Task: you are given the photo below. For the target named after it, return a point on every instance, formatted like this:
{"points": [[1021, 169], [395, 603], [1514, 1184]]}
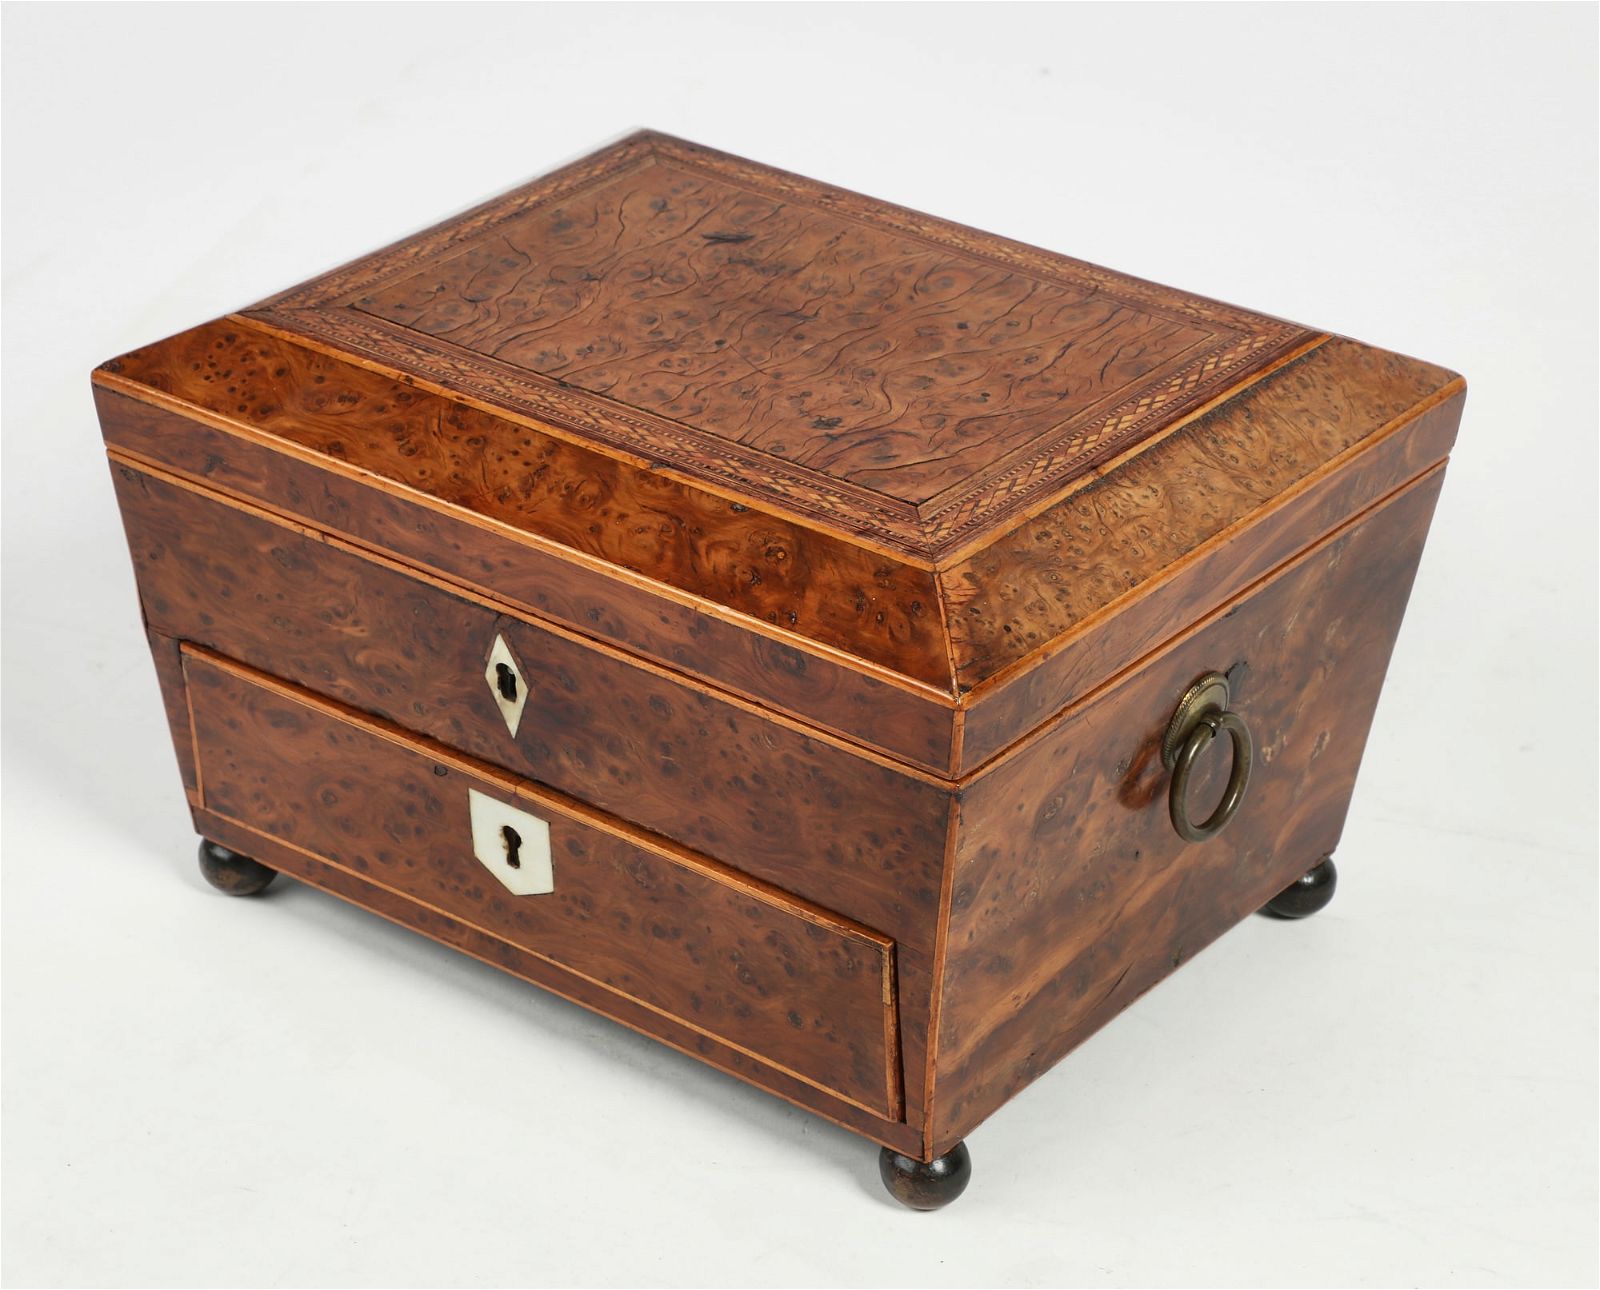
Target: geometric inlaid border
{"points": [[1238, 343]]}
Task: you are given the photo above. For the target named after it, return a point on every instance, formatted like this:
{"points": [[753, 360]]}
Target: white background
{"points": [[1400, 1091]]}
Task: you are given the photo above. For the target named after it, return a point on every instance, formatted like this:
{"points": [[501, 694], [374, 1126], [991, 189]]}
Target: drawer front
{"points": [[762, 973], [725, 780]]}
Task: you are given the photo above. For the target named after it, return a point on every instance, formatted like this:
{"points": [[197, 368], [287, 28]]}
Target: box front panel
{"points": [[811, 816]]}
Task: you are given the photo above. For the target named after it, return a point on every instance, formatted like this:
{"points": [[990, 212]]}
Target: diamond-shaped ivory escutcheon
{"points": [[512, 845], [506, 683]]}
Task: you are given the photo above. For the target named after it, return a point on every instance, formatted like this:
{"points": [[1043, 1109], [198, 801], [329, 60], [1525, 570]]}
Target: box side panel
{"points": [[167, 652], [164, 653], [1073, 892]]}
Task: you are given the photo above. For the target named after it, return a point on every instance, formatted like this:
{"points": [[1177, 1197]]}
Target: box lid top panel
{"points": [[859, 428], [908, 381]]}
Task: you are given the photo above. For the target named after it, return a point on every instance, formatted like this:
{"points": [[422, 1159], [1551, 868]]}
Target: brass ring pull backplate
{"points": [[1202, 715]]}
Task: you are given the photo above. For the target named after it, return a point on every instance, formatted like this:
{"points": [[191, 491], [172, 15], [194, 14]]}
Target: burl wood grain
{"points": [[1032, 586], [853, 362], [782, 671], [853, 833], [498, 953], [1036, 619], [808, 584], [167, 653], [1045, 613], [530, 399], [827, 343], [1072, 893], [747, 966]]}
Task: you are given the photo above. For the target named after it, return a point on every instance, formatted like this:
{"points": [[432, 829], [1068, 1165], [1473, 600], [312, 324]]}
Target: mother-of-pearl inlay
{"points": [[512, 845]]}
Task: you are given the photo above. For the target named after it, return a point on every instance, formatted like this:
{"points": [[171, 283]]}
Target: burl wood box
{"points": [[860, 652]]}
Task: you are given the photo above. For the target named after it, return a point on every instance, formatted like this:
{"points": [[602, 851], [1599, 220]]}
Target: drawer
{"points": [[660, 931], [749, 789]]}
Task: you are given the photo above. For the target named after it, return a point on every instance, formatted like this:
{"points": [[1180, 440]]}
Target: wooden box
{"points": [[863, 653]]}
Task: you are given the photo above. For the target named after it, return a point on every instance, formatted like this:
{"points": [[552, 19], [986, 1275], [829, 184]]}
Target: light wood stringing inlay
{"points": [[845, 359]]}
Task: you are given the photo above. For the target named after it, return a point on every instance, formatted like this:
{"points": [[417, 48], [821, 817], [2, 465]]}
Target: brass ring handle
{"points": [[1203, 714], [1207, 728]]}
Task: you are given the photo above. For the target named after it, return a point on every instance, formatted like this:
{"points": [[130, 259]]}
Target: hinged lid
{"points": [[902, 465]]}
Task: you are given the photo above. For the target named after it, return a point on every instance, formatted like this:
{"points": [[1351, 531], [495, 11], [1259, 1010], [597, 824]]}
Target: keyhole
{"points": [[506, 679], [513, 842]]}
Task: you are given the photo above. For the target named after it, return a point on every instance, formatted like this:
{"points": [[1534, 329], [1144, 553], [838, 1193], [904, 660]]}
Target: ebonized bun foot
{"points": [[926, 1186], [231, 872], [1308, 893]]}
